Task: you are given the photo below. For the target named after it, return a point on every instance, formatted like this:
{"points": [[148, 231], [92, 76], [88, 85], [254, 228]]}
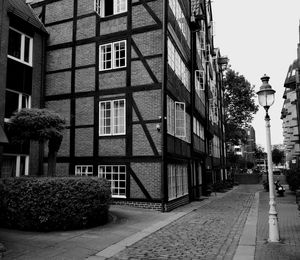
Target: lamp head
{"points": [[265, 94]]}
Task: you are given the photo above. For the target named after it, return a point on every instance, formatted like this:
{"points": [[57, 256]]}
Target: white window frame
{"points": [[199, 75], [119, 6], [178, 66], [177, 181], [84, 170], [170, 116], [18, 163], [177, 127], [22, 51], [20, 101], [119, 180], [113, 59], [113, 124], [98, 6]]}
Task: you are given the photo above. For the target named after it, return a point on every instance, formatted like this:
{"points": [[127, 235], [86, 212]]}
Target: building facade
{"points": [[290, 113], [22, 45], [140, 86]]}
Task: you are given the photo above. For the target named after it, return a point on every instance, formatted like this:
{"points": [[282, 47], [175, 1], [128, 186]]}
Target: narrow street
{"points": [[209, 232]]}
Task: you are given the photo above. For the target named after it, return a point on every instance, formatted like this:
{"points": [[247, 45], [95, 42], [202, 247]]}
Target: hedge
{"points": [[46, 204]]}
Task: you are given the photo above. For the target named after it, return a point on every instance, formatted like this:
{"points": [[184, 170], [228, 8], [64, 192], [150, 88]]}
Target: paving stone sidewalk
{"points": [[209, 232], [289, 229]]}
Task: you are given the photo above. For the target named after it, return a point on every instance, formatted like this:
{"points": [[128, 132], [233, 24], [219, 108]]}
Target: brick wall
{"points": [[61, 107], [85, 80], [149, 175], [85, 54], [60, 33], [112, 26], [58, 11], [141, 17], [140, 143], [112, 147], [84, 142], [148, 103], [138, 204], [58, 83], [85, 7], [84, 111], [55, 62], [62, 169], [149, 43], [86, 28], [110, 80]]}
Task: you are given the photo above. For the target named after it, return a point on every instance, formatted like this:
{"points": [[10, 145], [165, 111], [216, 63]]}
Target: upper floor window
{"points": [[20, 46], [176, 118], [178, 66], [112, 117], [112, 55], [15, 101], [181, 20], [180, 119], [199, 81], [110, 7]]}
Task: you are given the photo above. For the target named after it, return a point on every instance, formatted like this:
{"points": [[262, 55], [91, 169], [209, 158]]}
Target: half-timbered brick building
{"points": [[139, 83]]}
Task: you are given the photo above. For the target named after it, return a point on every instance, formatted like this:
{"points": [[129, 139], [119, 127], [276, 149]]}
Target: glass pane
{"points": [[11, 103], [14, 44], [26, 49]]}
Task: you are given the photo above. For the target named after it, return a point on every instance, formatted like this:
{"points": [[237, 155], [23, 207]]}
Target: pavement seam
{"points": [[121, 245], [246, 246]]}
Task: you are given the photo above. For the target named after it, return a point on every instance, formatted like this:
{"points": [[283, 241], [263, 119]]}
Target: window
{"points": [[181, 20], [176, 118], [110, 7], [177, 181], [112, 117], [20, 47], [199, 81], [84, 170], [15, 165], [116, 175], [171, 116], [113, 55], [178, 66], [15, 101], [198, 128], [180, 119]]}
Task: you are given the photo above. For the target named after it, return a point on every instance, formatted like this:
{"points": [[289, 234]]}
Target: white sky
{"points": [[259, 36]]}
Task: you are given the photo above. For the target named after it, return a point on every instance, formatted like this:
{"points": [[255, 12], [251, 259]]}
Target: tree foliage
{"points": [[239, 106], [38, 125], [277, 156], [259, 152]]}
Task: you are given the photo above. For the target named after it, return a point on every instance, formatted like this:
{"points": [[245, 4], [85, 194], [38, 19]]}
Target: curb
{"points": [[246, 246]]}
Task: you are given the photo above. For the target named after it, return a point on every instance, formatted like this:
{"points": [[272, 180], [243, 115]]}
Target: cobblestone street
{"points": [[210, 232]]}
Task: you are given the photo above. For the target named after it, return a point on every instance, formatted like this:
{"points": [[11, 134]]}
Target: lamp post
{"points": [[266, 99]]}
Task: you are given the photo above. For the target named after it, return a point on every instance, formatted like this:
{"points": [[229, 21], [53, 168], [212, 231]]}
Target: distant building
{"points": [[247, 150], [290, 113]]}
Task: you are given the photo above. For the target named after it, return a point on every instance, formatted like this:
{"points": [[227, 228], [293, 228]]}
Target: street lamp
{"points": [[266, 99]]}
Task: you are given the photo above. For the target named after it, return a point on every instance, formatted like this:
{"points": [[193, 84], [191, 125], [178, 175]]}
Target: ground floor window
{"points": [[84, 170], [116, 175], [177, 180], [15, 165]]}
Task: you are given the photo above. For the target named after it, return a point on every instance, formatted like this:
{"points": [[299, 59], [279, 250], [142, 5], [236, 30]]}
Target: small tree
{"points": [[38, 125], [277, 156]]}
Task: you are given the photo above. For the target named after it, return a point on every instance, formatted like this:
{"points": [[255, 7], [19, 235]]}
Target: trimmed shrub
{"points": [[46, 204], [293, 179]]}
